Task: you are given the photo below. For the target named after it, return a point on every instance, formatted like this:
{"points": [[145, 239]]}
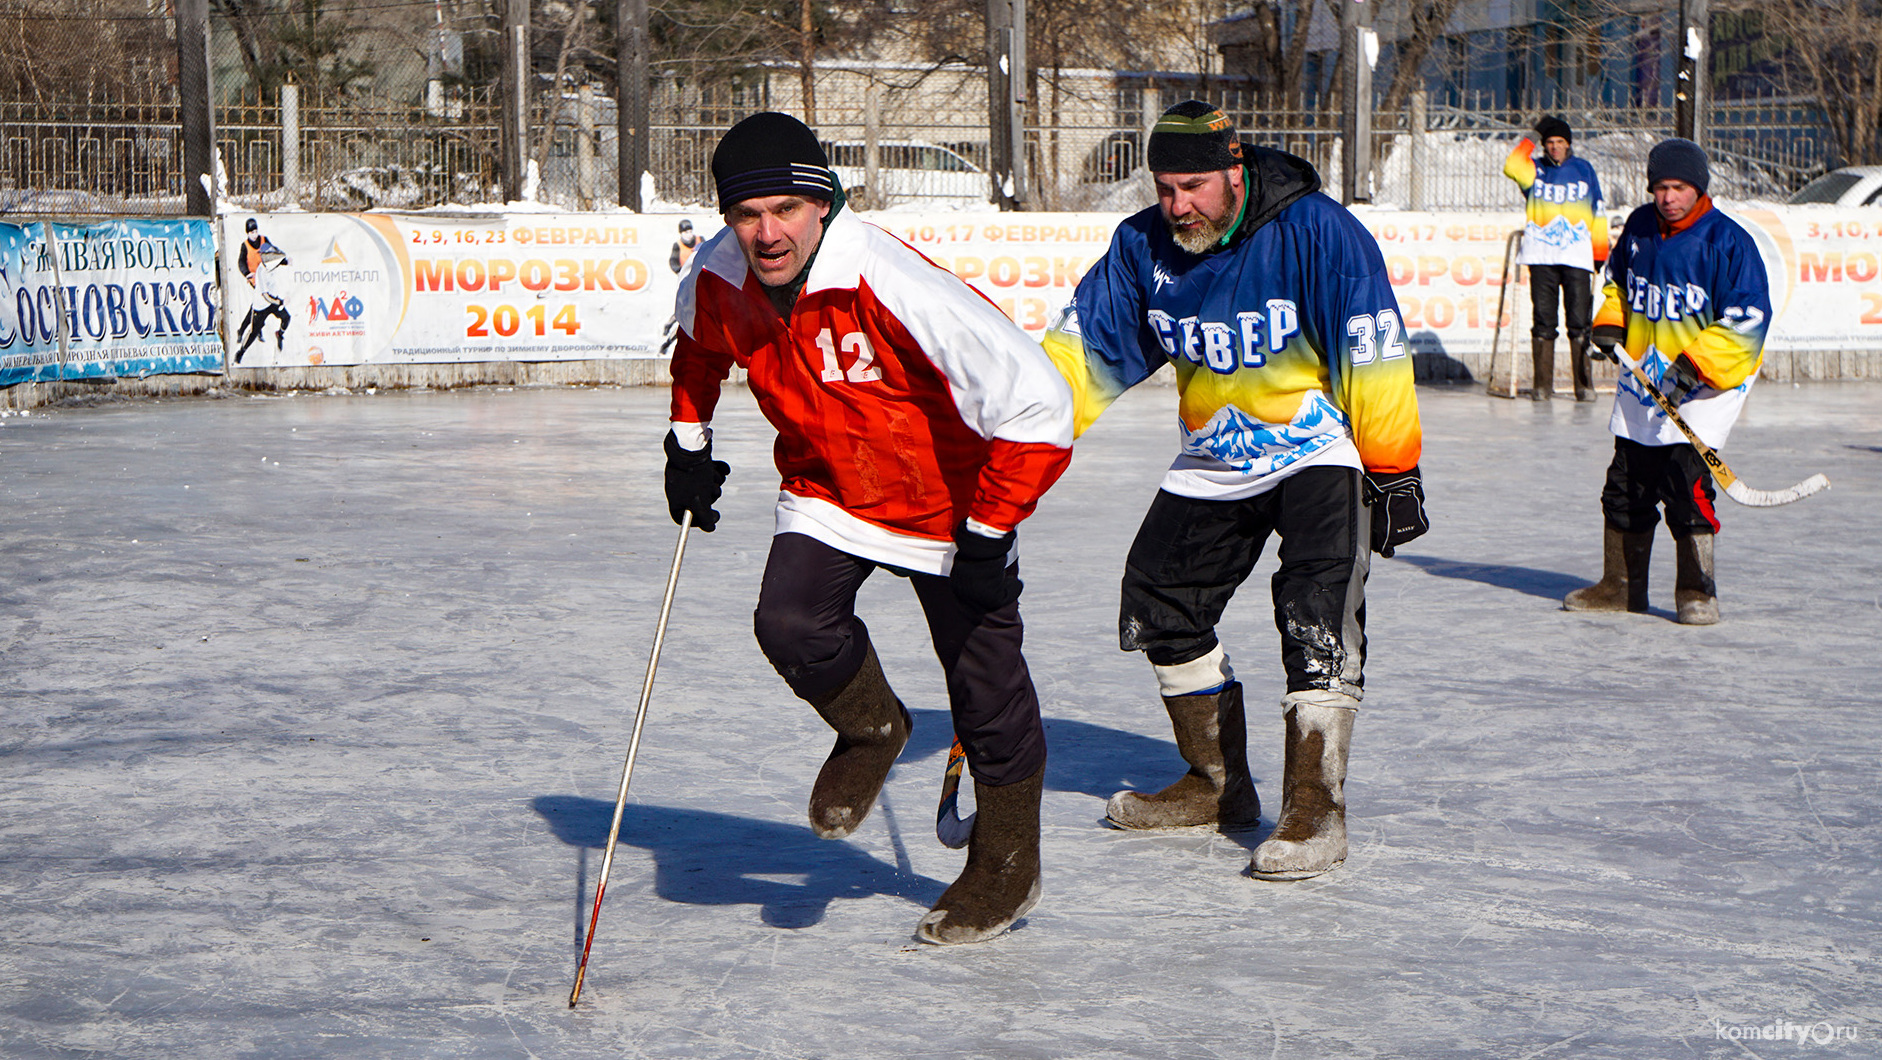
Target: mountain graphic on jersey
{"points": [[1560, 233], [1252, 447]]}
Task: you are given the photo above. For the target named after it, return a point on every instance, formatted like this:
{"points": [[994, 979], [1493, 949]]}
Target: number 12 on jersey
{"points": [[862, 370]]}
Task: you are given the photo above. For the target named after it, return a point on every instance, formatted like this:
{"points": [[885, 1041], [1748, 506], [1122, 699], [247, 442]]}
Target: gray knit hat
{"points": [[1678, 159]]}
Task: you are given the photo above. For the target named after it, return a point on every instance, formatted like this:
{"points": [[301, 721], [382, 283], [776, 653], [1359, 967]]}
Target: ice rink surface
{"points": [[314, 709]]}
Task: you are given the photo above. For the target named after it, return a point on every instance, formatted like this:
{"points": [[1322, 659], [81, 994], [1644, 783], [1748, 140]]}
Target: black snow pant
{"points": [[1191, 555], [258, 319], [1643, 477], [807, 624], [1577, 299]]}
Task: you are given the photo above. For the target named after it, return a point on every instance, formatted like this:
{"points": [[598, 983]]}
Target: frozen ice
{"points": [[323, 767]]}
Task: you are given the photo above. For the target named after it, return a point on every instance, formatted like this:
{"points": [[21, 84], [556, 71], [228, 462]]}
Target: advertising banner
{"points": [[1822, 264], [310, 289], [338, 289], [110, 299], [1028, 264]]}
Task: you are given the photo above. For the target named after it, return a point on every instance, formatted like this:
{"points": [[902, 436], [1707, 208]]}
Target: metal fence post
{"points": [[585, 146], [196, 97], [515, 109], [1415, 129], [872, 154], [632, 110], [291, 144]]}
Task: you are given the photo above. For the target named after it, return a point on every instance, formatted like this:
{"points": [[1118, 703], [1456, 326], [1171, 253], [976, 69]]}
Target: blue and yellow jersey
{"points": [[1702, 292], [1287, 345], [1563, 222]]}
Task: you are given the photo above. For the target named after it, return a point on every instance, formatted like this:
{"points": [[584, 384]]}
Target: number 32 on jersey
{"points": [[853, 345], [1376, 336]]}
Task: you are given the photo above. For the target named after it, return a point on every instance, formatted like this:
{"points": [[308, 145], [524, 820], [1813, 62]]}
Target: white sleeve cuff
{"points": [[692, 436], [984, 530]]}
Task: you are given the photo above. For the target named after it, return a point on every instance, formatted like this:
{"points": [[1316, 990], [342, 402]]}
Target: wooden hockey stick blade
{"points": [[1734, 489], [1745, 495], [948, 826]]}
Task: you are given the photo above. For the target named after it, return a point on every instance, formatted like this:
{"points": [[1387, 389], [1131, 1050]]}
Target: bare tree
{"points": [[1834, 57], [1422, 25]]}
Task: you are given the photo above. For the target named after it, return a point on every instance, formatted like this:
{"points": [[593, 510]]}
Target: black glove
{"points": [[1680, 379], [981, 578], [1605, 338], [694, 481], [1397, 501]]}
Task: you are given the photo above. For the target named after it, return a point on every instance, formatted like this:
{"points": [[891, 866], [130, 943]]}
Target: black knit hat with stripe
{"points": [[771, 154], [1193, 137]]}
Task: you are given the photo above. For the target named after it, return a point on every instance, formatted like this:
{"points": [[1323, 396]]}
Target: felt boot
{"points": [[1695, 594], [1580, 367], [1000, 882], [1542, 354], [1212, 736], [1623, 585], [1310, 835], [871, 729]]}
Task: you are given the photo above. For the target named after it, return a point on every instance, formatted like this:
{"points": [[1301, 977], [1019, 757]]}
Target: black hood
{"points": [[1274, 179]]}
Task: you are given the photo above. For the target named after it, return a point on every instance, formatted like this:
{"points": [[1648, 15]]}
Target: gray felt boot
{"points": [[871, 729], [1310, 836], [1623, 585], [1542, 357], [1212, 736], [1695, 594], [1000, 882]]}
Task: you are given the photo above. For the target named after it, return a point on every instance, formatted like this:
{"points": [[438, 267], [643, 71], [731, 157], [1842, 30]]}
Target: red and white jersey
{"points": [[904, 400]]}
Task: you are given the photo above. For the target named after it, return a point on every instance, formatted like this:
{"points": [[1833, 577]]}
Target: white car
{"points": [[1849, 186], [908, 173]]}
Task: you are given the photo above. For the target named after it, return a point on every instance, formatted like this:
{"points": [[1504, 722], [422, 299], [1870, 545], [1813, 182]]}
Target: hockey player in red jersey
{"points": [[917, 426]]}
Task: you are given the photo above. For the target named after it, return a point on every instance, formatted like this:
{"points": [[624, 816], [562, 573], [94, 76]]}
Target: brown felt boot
{"points": [[1000, 882], [1695, 594], [1310, 835], [871, 728], [1212, 736], [1580, 368], [1542, 353], [1623, 584]]}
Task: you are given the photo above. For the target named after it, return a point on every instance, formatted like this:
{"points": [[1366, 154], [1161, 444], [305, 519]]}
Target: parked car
{"points": [[908, 172], [1849, 186]]}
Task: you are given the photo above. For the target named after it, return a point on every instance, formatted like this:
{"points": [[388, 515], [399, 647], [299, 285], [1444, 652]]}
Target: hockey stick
{"points": [[633, 746], [948, 826], [1734, 489], [1502, 294]]}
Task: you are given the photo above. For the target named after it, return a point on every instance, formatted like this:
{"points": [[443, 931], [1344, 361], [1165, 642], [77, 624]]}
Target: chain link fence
{"points": [[90, 124]]}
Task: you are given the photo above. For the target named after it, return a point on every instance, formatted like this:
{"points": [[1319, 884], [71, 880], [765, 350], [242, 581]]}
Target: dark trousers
{"points": [[258, 319], [1191, 555], [1577, 299], [1643, 477], [807, 624]]}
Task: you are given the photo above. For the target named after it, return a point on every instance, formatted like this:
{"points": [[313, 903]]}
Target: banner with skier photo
{"points": [[337, 289], [107, 300]]}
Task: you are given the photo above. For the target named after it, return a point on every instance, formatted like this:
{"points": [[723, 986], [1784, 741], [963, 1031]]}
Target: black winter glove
{"points": [[1397, 501], [1605, 338], [980, 577], [1680, 379], [694, 482]]}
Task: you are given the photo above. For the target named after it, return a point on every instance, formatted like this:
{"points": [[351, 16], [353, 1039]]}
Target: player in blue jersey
{"points": [[1688, 298], [1298, 419], [1565, 238]]}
